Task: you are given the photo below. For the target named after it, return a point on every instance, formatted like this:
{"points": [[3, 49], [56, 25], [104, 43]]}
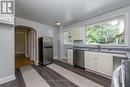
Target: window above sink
{"points": [[110, 31]]}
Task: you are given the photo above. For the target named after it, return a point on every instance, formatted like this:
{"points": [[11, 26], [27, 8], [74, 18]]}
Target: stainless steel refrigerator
{"points": [[45, 50]]}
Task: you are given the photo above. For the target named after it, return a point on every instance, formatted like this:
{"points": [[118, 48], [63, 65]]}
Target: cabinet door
{"points": [[90, 61], [70, 56], [105, 63], [77, 33]]}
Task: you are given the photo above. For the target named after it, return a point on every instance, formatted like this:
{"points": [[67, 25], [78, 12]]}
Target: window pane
{"points": [[111, 32], [68, 37]]}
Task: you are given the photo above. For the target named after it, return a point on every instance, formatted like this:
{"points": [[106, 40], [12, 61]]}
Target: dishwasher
{"points": [[78, 58]]}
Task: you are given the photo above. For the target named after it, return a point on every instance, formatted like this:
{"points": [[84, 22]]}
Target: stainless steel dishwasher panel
{"points": [[78, 58]]}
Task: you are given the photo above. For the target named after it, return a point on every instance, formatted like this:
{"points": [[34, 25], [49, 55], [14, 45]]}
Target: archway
{"points": [[25, 46]]}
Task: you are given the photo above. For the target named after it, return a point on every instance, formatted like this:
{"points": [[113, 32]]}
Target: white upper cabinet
{"points": [[77, 33]]}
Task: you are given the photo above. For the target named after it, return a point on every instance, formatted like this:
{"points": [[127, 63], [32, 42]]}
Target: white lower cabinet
{"points": [[90, 61], [99, 62], [70, 56]]}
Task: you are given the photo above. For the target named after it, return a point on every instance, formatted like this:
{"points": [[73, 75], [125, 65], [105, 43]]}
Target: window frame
{"points": [[107, 19], [64, 37]]}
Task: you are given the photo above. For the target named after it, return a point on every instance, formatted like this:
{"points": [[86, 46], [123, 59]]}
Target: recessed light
{"points": [[58, 23]]}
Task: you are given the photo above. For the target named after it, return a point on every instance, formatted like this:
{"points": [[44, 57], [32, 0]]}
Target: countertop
{"points": [[117, 52]]}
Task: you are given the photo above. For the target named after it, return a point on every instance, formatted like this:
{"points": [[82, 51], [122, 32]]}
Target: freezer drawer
{"points": [[47, 56]]}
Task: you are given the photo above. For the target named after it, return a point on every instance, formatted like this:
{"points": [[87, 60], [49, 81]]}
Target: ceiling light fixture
{"points": [[58, 23]]}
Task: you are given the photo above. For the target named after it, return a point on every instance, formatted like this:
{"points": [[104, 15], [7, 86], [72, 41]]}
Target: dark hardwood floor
{"points": [[94, 77], [56, 80], [53, 78], [18, 82]]}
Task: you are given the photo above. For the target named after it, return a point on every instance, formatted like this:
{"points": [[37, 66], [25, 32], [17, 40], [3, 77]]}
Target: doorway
{"points": [[25, 46]]}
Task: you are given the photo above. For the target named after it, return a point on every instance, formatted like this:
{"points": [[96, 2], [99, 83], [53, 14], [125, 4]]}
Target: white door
{"points": [[32, 45]]}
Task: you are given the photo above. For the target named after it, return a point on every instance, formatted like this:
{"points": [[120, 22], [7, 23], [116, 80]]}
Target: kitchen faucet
{"points": [[99, 47]]}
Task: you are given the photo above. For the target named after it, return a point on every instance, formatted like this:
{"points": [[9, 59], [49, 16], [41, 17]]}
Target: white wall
{"points": [[99, 18], [6, 53], [7, 65], [20, 42], [42, 30], [60, 42]]}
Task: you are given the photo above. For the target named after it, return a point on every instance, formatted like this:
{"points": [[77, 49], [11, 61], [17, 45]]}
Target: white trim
{"points": [[55, 57], [6, 22], [19, 52], [120, 55], [36, 63], [107, 19], [109, 77], [20, 32], [101, 17], [7, 79], [64, 57]]}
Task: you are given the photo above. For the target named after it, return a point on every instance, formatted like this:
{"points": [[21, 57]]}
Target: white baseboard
{"points": [[19, 52], [56, 57], [64, 57], [7, 79], [36, 64], [61, 58]]}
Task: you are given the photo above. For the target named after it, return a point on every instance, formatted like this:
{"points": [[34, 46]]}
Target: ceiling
{"points": [[66, 11]]}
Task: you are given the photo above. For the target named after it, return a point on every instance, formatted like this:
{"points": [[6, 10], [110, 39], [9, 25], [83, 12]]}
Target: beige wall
{"points": [[20, 42]]}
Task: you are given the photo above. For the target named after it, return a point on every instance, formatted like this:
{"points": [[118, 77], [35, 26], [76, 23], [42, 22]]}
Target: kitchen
{"points": [[75, 43], [101, 58]]}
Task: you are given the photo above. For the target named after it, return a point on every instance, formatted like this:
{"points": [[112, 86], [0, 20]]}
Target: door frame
{"points": [[33, 54], [25, 44]]}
